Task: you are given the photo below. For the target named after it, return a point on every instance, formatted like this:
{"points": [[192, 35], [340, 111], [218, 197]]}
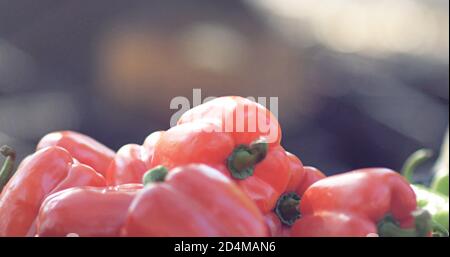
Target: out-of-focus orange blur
{"points": [[360, 83]]}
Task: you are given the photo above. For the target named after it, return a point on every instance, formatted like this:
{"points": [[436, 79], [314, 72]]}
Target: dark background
{"points": [[360, 83]]}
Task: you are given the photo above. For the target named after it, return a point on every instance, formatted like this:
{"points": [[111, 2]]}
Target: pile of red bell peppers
{"points": [[199, 178]]}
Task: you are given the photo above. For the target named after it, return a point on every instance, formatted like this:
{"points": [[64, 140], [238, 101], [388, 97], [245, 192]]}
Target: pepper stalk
{"points": [[7, 170], [440, 181], [243, 159]]}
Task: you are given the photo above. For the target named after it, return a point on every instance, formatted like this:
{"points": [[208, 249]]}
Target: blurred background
{"points": [[360, 83]]}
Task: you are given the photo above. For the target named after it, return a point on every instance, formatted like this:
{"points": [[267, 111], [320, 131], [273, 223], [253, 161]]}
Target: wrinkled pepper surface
{"points": [[236, 136], [83, 148], [132, 161], [374, 201], [193, 200], [286, 211], [86, 211], [47, 171]]}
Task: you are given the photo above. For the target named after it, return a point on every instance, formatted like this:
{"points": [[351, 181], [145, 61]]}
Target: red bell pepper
{"points": [[86, 211], [83, 148], [193, 200], [150, 142], [245, 120], [302, 177], [312, 175], [361, 203], [132, 161], [248, 153], [49, 170], [277, 220], [297, 172]]}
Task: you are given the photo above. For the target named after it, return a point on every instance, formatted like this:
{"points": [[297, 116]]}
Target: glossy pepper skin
{"points": [[279, 222], [297, 172], [250, 120], [302, 176], [361, 203], [428, 198], [86, 211], [83, 148], [48, 170], [132, 161], [193, 201], [252, 158]]}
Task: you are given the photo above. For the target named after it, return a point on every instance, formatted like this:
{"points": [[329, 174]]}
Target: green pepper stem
{"points": [[157, 174], [287, 208], [242, 160], [388, 227], [7, 170], [413, 161], [393, 230]]}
